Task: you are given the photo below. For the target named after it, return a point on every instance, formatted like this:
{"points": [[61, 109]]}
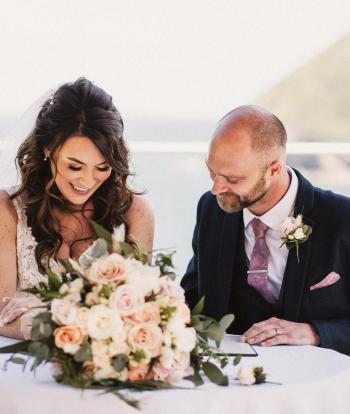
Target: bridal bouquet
{"points": [[117, 320]]}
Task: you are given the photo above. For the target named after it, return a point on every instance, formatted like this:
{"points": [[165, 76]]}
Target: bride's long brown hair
{"points": [[81, 108]]}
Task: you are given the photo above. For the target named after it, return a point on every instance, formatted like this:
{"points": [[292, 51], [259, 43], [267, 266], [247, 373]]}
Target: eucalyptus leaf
{"points": [[98, 249], [199, 307], [38, 350], [18, 360], [101, 232], [196, 378], [119, 362], [226, 321], [18, 347], [84, 353], [215, 332], [214, 374], [237, 360], [54, 280]]}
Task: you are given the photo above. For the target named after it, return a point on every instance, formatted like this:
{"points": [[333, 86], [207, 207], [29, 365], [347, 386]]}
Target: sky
{"points": [[162, 59]]}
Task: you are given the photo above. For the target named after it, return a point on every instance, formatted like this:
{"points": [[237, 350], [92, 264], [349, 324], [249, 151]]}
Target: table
{"points": [[315, 380]]}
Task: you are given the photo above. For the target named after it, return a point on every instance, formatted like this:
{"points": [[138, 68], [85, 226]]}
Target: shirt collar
{"points": [[274, 217]]}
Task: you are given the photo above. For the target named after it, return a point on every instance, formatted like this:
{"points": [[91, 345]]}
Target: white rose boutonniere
{"points": [[294, 232]]}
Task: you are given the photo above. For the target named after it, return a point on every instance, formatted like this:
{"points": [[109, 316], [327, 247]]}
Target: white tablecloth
{"points": [[314, 380]]}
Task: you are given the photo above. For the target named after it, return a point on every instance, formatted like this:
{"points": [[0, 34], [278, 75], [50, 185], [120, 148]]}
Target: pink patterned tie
{"points": [[258, 267]]}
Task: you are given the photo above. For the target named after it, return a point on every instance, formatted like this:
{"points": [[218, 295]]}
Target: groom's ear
{"points": [[275, 168]]}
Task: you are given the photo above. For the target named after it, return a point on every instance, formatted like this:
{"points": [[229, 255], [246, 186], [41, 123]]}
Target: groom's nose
{"points": [[219, 185]]}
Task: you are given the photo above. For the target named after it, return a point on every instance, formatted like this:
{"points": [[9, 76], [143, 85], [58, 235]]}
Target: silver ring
{"points": [[277, 333]]}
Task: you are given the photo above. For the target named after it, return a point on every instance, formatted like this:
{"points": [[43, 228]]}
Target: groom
{"points": [[238, 263]]}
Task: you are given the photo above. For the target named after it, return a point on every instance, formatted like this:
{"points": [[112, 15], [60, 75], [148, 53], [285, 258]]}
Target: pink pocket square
{"points": [[328, 280]]}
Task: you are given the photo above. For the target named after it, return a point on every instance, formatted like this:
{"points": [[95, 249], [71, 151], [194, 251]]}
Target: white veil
{"points": [[13, 137]]}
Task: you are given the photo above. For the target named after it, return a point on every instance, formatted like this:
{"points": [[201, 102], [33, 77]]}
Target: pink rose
{"points": [[147, 336], [290, 224], [126, 299], [138, 373], [107, 269], [147, 312]]}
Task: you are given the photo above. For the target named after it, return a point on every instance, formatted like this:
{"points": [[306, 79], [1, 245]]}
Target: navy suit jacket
{"points": [[217, 236]]}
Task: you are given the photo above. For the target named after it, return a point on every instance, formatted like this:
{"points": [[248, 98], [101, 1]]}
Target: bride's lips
{"points": [[80, 190]]}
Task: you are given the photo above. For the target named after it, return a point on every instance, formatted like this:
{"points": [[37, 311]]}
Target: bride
{"points": [[73, 168]]}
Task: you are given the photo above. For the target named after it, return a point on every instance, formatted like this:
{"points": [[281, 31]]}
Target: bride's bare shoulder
{"points": [[8, 216]]}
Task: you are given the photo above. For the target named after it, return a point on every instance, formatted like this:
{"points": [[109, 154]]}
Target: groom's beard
{"points": [[232, 202]]}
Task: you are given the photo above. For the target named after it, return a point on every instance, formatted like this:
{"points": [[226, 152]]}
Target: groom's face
{"points": [[240, 178]]}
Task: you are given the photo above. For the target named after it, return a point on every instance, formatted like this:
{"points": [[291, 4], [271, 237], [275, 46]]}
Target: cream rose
{"points": [[103, 322], [147, 336], [107, 269], [126, 299], [69, 338], [299, 233], [64, 312], [245, 375]]}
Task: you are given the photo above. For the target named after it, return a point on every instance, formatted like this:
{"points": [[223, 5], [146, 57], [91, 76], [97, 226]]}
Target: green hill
{"points": [[314, 102]]}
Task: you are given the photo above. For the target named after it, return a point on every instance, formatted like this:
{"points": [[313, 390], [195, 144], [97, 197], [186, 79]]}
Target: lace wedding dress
{"points": [[28, 274]]}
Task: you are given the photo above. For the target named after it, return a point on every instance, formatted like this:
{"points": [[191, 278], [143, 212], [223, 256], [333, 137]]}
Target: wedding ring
{"points": [[277, 333]]}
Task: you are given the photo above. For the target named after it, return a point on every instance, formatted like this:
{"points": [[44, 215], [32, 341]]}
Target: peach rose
{"points": [[146, 336], [69, 338], [107, 269]]}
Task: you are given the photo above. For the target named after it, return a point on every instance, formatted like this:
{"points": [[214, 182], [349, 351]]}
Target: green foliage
{"points": [[120, 362], [165, 263], [237, 360], [101, 232], [214, 374], [259, 375], [199, 307], [84, 353]]}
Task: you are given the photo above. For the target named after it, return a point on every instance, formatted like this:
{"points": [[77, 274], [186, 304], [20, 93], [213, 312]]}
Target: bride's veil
{"points": [[13, 137]]}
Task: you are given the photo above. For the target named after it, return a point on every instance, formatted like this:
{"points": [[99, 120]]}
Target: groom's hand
{"points": [[276, 331]]}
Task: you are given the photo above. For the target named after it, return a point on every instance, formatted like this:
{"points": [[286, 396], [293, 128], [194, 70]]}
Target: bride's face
{"points": [[80, 169]]}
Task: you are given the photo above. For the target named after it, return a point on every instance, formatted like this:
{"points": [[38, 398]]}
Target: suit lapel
{"points": [[230, 234], [293, 286]]}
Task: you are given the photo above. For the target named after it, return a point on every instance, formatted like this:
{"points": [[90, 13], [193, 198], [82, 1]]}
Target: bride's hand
{"points": [[16, 307]]}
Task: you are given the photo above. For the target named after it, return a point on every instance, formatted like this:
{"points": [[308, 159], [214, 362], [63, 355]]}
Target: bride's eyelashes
{"points": [[102, 169]]}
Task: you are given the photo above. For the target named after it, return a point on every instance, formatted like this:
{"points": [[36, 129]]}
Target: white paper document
{"points": [[231, 346]]}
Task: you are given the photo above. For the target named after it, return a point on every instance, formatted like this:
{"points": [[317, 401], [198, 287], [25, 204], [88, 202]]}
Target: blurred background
{"points": [[174, 69]]}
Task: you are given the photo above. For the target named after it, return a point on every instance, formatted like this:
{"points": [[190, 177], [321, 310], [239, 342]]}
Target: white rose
{"points": [[245, 375], [299, 234], [118, 236], [105, 372], [186, 341], [107, 269], [76, 286], [64, 312], [167, 357], [145, 277], [103, 322], [183, 338], [126, 299], [82, 318]]}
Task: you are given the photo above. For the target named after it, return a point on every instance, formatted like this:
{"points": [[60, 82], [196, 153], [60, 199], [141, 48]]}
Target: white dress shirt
{"points": [[273, 218]]}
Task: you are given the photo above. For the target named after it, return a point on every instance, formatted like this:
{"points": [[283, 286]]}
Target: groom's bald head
{"points": [[263, 129]]}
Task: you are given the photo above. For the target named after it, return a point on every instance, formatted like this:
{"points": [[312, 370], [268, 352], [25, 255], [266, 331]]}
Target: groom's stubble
{"points": [[231, 202]]}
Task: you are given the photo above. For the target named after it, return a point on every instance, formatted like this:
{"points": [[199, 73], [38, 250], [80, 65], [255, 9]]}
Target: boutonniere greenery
{"points": [[294, 232]]}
